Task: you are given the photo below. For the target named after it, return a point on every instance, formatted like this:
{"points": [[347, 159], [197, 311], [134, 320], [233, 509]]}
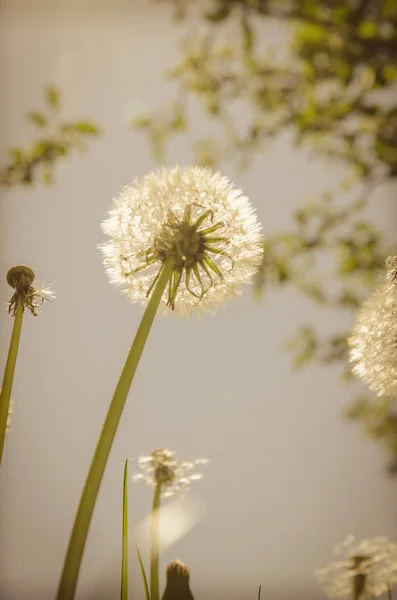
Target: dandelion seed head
{"points": [[367, 569], [373, 339], [194, 216], [162, 468]]}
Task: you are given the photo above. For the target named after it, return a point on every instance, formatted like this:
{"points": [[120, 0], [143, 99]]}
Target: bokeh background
{"points": [[288, 479]]}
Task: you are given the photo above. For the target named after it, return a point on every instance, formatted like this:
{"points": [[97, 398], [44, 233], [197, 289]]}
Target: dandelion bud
{"points": [[21, 279], [177, 587]]}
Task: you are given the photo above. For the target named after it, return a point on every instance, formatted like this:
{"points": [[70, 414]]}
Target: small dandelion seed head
{"points": [[21, 279], [367, 569], [161, 468], [373, 339], [194, 217]]}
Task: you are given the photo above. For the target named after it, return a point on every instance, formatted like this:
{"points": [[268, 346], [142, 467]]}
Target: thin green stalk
{"points": [[154, 550], [389, 594], [143, 574], [9, 374], [124, 547], [71, 567]]}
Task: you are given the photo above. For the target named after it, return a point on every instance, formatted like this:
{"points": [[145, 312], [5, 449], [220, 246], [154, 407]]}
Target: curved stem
{"points": [[154, 550], [9, 370], [71, 567]]}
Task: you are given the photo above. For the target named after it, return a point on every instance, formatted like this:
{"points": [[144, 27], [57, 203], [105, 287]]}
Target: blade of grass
{"points": [[143, 574], [259, 592], [124, 546]]}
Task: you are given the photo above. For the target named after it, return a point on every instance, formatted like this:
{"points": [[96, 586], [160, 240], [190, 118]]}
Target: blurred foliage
{"points": [[325, 90], [334, 90], [56, 139], [379, 421], [325, 232]]}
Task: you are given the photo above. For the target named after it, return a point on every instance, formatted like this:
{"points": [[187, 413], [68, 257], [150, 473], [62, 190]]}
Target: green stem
{"points": [[9, 370], [154, 550], [124, 546], [71, 567]]}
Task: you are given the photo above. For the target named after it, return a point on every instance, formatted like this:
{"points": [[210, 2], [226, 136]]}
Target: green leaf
{"points": [[16, 154], [389, 72], [86, 127], [178, 122], [37, 118], [340, 14], [140, 121], [53, 97], [343, 69], [143, 574], [311, 34], [248, 35], [124, 546], [367, 29], [48, 174], [310, 8]]}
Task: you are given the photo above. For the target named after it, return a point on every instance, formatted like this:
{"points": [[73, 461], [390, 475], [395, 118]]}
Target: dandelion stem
{"points": [[9, 370], [124, 547], [71, 567], [154, 550]]}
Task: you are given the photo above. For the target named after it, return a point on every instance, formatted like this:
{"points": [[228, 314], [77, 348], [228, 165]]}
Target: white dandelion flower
{"points": [[193, 216], [373, 339], [367, 571], [21, 279], [161, 468]]}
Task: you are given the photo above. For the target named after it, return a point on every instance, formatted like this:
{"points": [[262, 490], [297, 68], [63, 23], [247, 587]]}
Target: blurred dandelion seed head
{"points": [[368, 569], [196, 218], [373, 339], [162, 468], [21, 279]]}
